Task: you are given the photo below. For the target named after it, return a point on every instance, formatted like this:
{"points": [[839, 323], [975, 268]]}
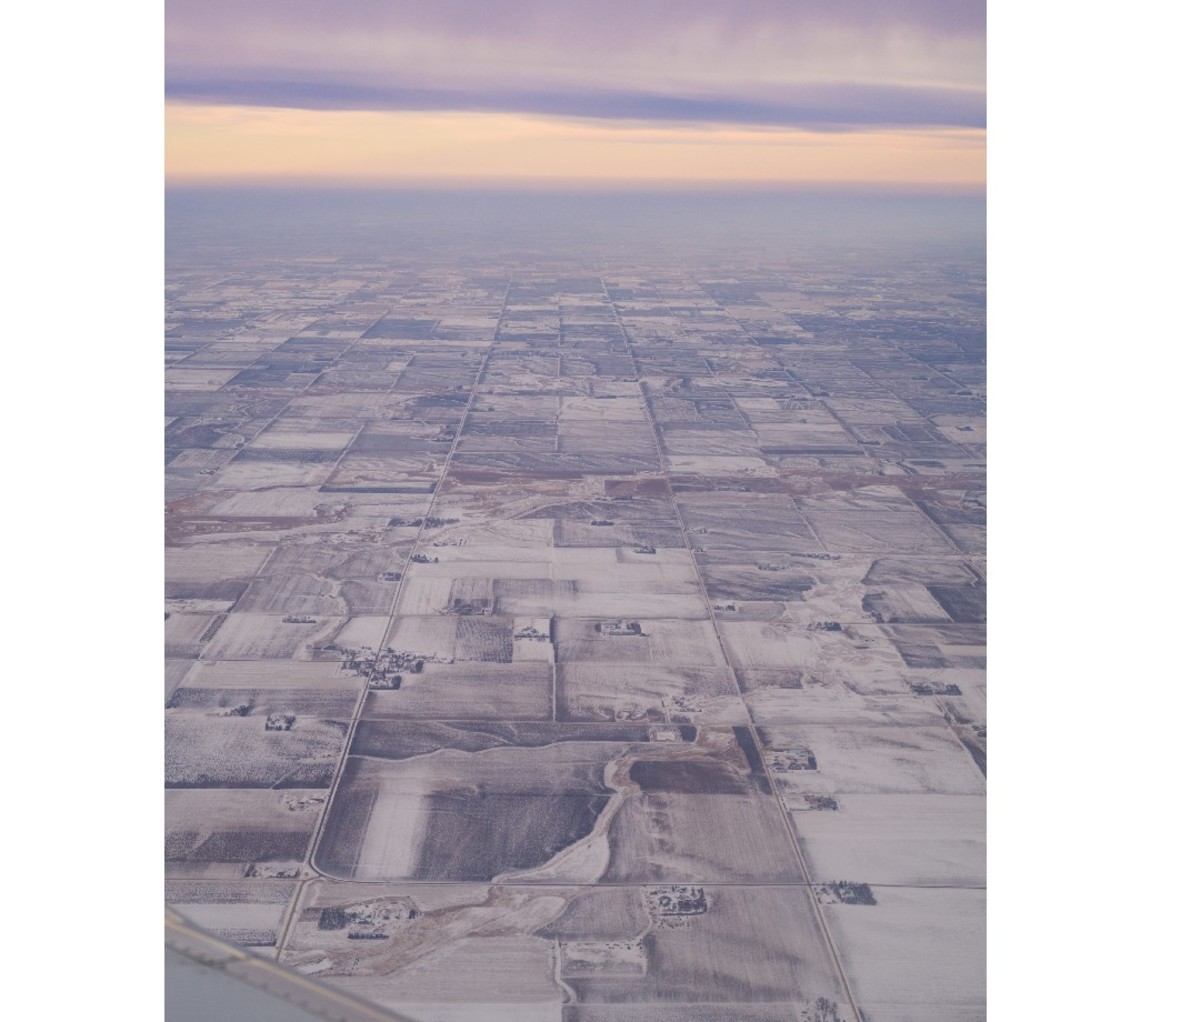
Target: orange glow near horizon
{"points": [[221, 145]]}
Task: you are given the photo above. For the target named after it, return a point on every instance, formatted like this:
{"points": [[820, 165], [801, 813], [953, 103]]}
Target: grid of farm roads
{"points": [[586, 642]]}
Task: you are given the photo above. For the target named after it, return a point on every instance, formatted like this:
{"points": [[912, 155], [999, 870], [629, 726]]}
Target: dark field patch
{"points": [[919, 571], [476, 837], [247, 938], [237, 846], [754, 583], [487, 425], [618, 510], [964, 605], [266, 379], [751, 678], [465, 476], [977, 751], [945, 634], [318, 347], [556, 466], [278, 456], [924, 657], [229, 590], [636, 488], [337, 381], [695, 777], [409, 488], [404, 739], [395, 328], [389, 443], [301, 702], [341, 842], [745, 740], [974, 514], [293, 365]]}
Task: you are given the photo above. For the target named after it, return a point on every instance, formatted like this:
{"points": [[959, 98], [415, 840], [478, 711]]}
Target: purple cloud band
{"points": [[812, 107], [818, 64]]}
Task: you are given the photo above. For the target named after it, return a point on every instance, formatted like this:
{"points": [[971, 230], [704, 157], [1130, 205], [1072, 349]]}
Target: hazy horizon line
{"points": [[654, 186]]}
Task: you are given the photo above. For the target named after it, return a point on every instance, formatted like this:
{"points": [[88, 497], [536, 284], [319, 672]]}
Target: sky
{"points": [[767, 93]]}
